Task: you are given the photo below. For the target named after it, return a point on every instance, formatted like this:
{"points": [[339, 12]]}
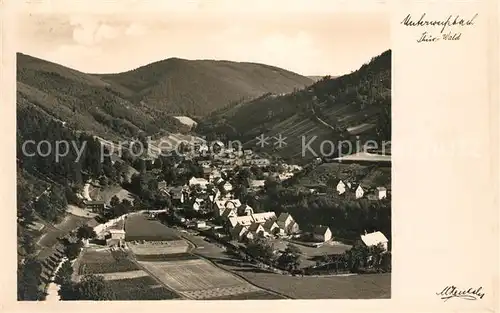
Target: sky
{"points": [[307, 40]]}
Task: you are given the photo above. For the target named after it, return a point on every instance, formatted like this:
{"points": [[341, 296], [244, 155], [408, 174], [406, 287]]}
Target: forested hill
{"points": [[357, 104], [197, 87], [85, 102]]}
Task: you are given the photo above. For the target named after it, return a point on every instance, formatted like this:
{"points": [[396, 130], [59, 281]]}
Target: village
{"points": [[208, 204]]}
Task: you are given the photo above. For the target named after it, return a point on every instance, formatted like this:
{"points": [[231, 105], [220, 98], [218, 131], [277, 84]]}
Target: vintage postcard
{"points": [[223, 151]]}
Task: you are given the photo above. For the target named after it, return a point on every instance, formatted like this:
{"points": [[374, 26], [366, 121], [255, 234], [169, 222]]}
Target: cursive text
{"points": [[447, 27], [467, 294]]}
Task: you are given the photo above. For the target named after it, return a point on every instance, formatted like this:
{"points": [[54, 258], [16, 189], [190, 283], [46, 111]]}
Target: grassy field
{"points": [[138, 227], [140, 288], [366, 175], [309, 254], [165, 257], [198, 279], [100, 262], [255, 295], [374, 286]]}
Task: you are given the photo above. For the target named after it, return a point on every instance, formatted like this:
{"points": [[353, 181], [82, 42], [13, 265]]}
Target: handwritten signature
{"points": [[467, 294]]}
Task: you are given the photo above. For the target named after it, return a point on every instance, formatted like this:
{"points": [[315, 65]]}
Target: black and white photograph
{"points": [[203, 154]]}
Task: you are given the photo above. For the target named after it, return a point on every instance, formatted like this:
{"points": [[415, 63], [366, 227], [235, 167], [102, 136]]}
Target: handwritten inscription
{"points": [[450, 28], [467, 294]]}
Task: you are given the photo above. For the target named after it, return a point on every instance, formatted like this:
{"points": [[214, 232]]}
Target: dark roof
{"points": [[320, 230], [95, 202]]}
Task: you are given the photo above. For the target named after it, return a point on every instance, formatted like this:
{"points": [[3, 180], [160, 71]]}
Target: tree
{"points": [[91, 287], [63, 276], [72, 249], [28, 280], [85, 232], [261, 249], [114, 201], [290, 258]]}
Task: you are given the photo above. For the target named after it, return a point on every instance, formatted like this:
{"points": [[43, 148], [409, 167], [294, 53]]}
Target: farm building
{"points": [[96, 206], [115, 237], [322, 233], [375, 238]]}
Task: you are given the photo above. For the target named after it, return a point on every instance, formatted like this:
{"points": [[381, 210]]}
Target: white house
{"points": [[198, 181], [359, 192], [322, 233], [255, 184], [257, 229], [381, 193], [201, 224], [198, 204], [227, 186], [264, 216], [373, 239], [260, 162], [341, 187], [271, 226], [221, 205], [287, 223]]}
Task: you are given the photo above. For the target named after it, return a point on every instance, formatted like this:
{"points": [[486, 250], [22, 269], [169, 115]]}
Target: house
{"points": [[256, 184], [96, 206], [322, 233], [228, 213], [271, 227], [177, 195], [375, 238], [245, 209], [287, 223], [359, 192], [247, 152], [261, 162], [162, 185], [263, 217], [227, 186], [239, 231], [115, 237], [201, 224], [204, 163], [342, 187], [198, 181], [221, 205], [207, 172], [285, 176], [257, 229], [198, 204], [381, 192]]}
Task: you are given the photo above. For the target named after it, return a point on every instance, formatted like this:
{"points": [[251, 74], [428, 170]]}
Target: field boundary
{"points": [[241, 277]]}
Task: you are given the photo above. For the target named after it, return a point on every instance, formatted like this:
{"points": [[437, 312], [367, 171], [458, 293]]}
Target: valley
{"points": [[189, 217]]}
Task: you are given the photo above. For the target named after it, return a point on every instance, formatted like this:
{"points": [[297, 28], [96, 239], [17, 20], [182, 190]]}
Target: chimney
{"points": [[366, 232]]}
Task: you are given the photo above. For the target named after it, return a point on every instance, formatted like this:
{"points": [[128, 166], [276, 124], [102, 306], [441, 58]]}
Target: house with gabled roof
{"points": [[286, 222], [198, 181], [375, 238], [271, 226], [342, 187], [322, 233], [239, 231], [359, 191]]}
